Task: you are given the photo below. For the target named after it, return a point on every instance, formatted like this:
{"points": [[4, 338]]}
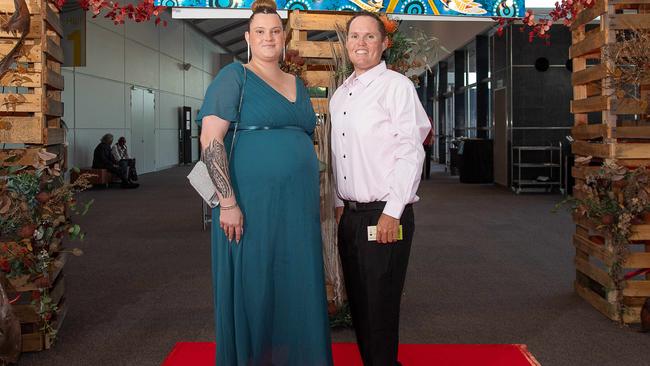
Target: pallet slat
{"points": [[53, 136], [29, 79], [587, 15], [20, 102], [54, 50], [588, 75], [54, 108], [637, 289], [630, 106], [590, 104], [314, 49], [592, 149], [589, 132], [593, 272], [320, 105], [592, 42], [16, 130], [317, 78], [54, 21], [35, 29], [31, 52], [54, 80], [629, 21], [306, 21]]}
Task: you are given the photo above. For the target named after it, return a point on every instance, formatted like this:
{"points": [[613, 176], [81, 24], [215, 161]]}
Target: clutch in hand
{"points": [[200, 179]]}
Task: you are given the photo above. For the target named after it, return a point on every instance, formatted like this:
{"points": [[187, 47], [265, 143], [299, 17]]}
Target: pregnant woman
{"points": [[266, 250]]}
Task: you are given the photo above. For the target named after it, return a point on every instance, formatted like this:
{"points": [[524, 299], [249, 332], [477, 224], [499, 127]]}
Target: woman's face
{"points": [[266, 37], [364, 44]]}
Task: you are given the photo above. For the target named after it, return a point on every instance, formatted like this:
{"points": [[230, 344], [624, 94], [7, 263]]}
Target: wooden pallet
{"points": [[593, 260], [317, 54], [31, 112], [613, 135], [301, 23], [34, 339]]}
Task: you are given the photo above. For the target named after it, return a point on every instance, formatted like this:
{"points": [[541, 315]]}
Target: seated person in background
{"points": [[103, 159], [121, 155]]}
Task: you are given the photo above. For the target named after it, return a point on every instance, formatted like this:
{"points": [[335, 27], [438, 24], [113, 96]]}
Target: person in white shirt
{"points": [[121, 155], [378, 127]]}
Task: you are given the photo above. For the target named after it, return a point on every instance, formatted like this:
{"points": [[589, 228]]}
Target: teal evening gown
{"points": [[269, 290]]}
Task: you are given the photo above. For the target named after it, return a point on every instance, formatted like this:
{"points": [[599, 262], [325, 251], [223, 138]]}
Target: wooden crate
{"points": [[593, 260], [317, 54], [612, 135], [33, 338], [30, 114], [300, 23]]}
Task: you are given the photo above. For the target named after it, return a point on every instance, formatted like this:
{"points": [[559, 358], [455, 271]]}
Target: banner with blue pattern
{"points": [[480, 8]]}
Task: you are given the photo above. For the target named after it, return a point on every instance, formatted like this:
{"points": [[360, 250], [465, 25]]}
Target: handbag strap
{"points": [[241, 100]]}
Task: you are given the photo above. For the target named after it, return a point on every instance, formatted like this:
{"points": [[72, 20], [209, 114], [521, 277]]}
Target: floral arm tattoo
{"points": [[215, 158]]}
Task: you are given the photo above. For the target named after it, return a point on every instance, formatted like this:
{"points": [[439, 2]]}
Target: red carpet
{"points": [[346, 354]]}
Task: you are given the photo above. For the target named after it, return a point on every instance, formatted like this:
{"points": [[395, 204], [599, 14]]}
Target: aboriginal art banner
{"points": [[477, 8]]}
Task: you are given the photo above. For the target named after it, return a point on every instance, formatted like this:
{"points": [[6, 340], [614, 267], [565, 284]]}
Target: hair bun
{"points": [[264, 6]]}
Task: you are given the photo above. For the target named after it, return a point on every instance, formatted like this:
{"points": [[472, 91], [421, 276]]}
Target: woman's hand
{"points": [[232, 222]]}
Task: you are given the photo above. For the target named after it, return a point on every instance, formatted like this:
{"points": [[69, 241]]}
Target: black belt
{"points": [[365, 206]]}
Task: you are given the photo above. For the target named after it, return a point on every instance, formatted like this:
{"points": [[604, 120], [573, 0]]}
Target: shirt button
{"points": [[343, 133], [344, 113], [345, 177], [343, 156], [350, 94]]}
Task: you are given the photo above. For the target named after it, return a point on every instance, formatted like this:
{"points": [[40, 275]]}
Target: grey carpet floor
{"points": [[487, 266]]}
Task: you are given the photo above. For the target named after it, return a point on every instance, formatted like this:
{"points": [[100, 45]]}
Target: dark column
{"points": [[440, 123], [459, 97], [430, 95], [482, 91]]}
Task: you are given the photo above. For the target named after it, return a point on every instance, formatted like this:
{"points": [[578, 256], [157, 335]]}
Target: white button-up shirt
{"points": [[378, 127]]}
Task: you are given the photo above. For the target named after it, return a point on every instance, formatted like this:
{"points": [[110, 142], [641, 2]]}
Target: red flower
{"points": [[5, 266]]}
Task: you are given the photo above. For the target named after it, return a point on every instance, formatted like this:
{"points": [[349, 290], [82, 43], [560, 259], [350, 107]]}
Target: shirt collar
{"points": [[367, 77]]}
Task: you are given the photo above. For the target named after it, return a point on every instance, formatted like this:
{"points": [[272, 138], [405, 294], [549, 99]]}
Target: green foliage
{"points": [[342, 318]]}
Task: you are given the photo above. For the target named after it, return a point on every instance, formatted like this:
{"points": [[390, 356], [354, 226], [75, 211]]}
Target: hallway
{"points": [[487, 266]]}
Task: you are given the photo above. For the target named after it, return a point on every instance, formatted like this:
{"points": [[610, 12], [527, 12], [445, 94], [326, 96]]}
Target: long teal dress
{"points": [[270, 303]]}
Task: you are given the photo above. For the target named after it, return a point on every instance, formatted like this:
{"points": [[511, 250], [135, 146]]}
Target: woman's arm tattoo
{"points": [[215, 158]]}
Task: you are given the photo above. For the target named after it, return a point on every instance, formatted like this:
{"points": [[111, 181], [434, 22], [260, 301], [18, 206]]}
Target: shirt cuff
{"points": [[394, 209], [337, 201]]}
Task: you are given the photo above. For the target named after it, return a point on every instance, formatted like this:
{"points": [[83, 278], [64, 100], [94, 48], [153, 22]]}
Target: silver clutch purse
{"points": [[200, 178]]}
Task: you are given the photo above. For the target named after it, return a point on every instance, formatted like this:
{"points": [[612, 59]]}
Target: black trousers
{"points": [[374, 279]]}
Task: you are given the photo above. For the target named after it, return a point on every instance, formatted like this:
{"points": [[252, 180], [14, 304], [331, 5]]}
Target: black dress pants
{"points": [[374, 279]]}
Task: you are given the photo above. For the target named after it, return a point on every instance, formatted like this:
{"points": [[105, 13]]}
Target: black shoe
{"points": [[130, 185]]}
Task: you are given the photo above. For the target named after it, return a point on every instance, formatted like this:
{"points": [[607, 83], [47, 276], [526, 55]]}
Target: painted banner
{"points": [[482, 8]]}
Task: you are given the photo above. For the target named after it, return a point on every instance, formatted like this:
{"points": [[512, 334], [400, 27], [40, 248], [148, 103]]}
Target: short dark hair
{"points": [[380, 23]]}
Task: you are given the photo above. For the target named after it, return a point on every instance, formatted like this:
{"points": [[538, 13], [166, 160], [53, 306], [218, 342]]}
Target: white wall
{"points": [[97, 96]]}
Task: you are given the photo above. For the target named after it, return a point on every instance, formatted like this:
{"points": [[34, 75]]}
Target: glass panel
{"points": [[471, 111], [451, 81], [470, 77]]}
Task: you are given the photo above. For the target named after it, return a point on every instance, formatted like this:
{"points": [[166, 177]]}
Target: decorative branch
{"points": [[565, 13], [144, 11]]}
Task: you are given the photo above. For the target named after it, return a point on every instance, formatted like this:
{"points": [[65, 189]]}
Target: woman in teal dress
{"points": [[270, 304]]}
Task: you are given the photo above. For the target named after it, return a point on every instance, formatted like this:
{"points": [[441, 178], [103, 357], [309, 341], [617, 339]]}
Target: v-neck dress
{"points": [[269, 290]]}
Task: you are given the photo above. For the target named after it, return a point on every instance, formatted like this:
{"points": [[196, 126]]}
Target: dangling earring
{"points": [[284, 53], [248, 52]]}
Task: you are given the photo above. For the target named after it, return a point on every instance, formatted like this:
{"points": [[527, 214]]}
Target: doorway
{"points": [[143, 129], [500, 138]]}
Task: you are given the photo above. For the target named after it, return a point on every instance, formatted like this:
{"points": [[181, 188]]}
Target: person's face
{"points": [[121, 141], [110, 141], [266, 37], [364, 44]]}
